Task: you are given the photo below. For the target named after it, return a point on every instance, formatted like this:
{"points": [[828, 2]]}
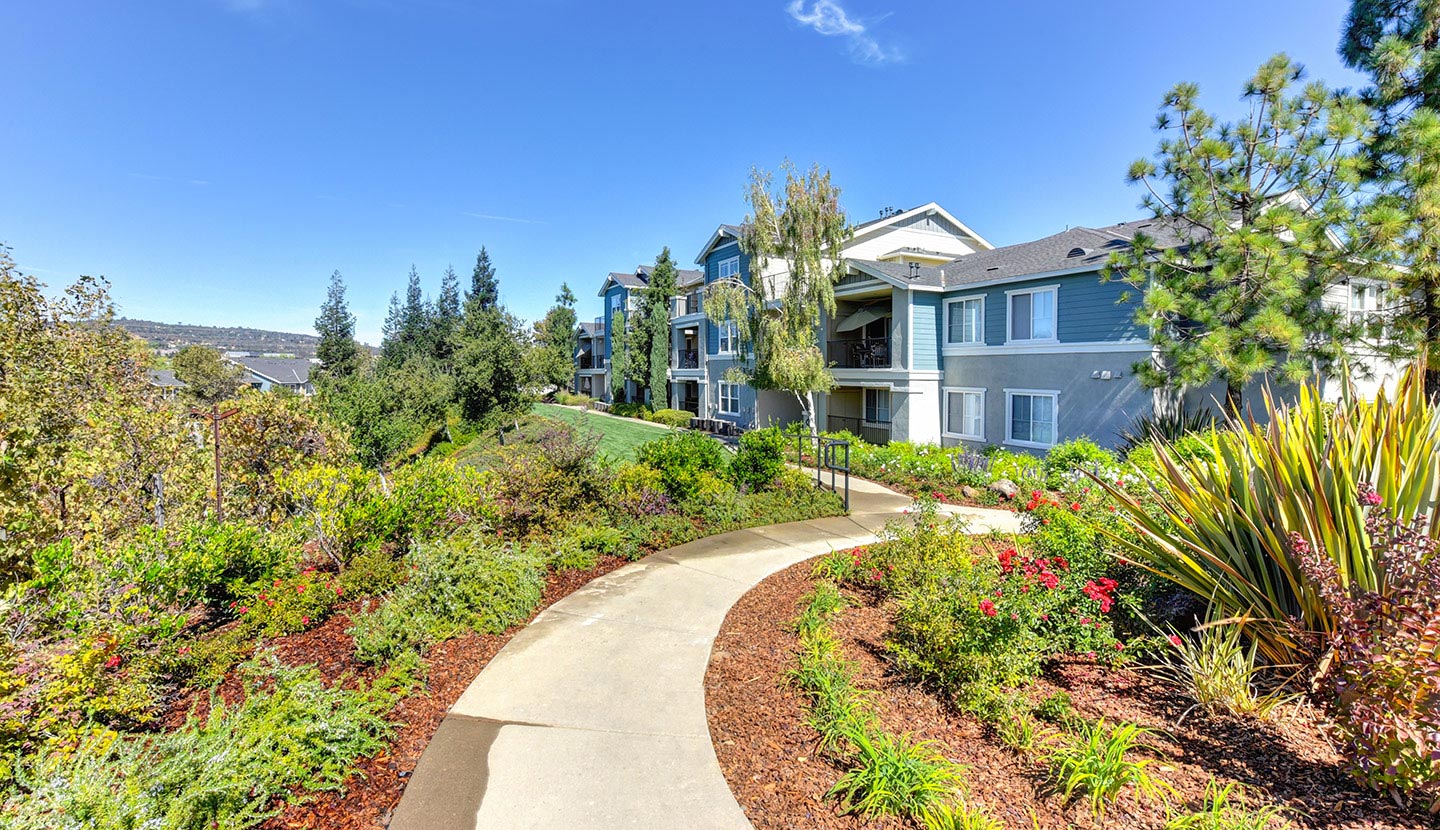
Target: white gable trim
{"points": [[928, 207]]}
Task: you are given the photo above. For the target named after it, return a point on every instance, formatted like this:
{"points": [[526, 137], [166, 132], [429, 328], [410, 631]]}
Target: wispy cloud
{"points": [[153, 178], [829, 18], [501, 218]]}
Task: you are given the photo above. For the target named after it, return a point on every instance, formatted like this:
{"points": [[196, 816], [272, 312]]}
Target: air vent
{"points": [[1074, 252], [993, 268]]}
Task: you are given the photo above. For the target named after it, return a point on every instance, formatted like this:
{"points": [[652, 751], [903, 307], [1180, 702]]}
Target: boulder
{"points": [[970, 493], [1005, 487]]}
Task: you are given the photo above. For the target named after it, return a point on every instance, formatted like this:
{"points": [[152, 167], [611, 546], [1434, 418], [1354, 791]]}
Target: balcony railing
{"points": [[874, 434], [687, 359], [869, 353], [691, 405], [588, 361], [688, 304]]}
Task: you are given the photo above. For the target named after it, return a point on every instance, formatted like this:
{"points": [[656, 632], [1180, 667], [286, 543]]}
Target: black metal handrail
{"points": [[831, 454], [687, 359], [867, 353]]}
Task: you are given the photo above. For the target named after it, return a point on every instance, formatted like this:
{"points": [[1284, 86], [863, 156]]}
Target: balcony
{"points": [[872, 433], [688, 304], [591, 361], [866, 353], [691, 405], [687, 359]]}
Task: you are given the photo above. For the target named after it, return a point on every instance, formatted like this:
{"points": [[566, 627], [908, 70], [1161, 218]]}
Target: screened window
{"points": [[729, 398], [965, 413], [967, 321], [1032, 315], [877, 406], [728, 336], [728, 268], [1032, 418]]}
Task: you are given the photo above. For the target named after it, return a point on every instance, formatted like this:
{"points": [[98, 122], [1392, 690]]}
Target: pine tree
{"points": [[658, 295], [1265, 211], [415, 319], [484, 288], [1397, 43], [552, 358], [447, 317], [391, 331], [337, 349], [619, 355]]}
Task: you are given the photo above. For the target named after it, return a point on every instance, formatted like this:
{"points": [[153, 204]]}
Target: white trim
{"points": [[945, 321], [710, 245], [855, 377], [1051, 347], [924, 210], [1054, 322], [720, 397], [720, 328], [1053, 394], [889, 407], [909, 327], [945, 392]]}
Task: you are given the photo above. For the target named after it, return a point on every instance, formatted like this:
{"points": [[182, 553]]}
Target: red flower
{"points": [[1075, 505], [112, 661], [304, 620], [987, 607], [299, 589], [1176, 641], [1119, 646]]}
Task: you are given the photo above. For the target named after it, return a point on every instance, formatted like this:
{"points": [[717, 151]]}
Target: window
{"points": [[728, 336], [877, 406], [1031, 417], [728, 268], [1032, 314], [729, 398], [965, 321], [965, 413], [1364, 302]]}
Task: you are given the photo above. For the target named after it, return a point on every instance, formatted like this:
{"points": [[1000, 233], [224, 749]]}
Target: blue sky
{"points": [[217, 159]]}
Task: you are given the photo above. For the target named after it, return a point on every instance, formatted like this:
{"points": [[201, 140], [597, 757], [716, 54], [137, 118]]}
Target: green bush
{"points": [[670, 417], [760, 459], [1069, 461], [291, 736], [1099, 765], [373, 572], [565, 398], [630, 410], [681, 457], [546, 483], [459, 584], [895, 776], [286, 605]]}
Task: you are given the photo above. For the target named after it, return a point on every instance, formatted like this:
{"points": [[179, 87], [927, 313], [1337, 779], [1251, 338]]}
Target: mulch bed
{"points": [[768, 753], [375, 787]]}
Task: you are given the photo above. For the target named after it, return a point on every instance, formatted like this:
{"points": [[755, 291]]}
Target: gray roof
{"points": [[591, 329], [1074, 249], [165, 378], [641, 277], [286, 370]]}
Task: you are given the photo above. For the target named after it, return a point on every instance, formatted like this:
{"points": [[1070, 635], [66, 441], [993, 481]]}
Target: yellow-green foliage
{"points": [[1223, 521]]}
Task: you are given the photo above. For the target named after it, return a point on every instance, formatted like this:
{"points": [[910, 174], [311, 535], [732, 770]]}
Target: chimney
{"points": [[914, 270]]}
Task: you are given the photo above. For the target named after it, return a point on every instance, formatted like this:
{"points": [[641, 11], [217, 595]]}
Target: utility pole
{"points": [[216, 416]]}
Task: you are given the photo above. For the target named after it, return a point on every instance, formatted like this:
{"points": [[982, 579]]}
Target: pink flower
{"points": [[987, 607], [299, 589], [1075, 505], [1119, 646], [304, 620], [112, 661], [1175, 641]]}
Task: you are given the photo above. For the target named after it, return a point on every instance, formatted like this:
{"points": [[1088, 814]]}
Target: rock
{"points": [[1005, 487], [970, 492]]}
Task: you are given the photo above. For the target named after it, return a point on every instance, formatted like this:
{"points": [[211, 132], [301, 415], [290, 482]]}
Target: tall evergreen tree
{"points": [[392, 330], [447, 316], [802, 225], [620, 363], [1265, 209], [484, 288], [337, 349], [416, 316], [658, 295], [1397, 43], [552, 359]]}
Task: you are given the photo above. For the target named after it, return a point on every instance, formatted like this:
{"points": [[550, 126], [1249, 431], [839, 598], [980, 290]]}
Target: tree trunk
{"points": [[1233, 399], [807, 410], [1432, 340]]}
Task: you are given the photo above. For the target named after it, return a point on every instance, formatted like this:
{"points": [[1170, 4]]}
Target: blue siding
{"points": [[925, 317], [712, 273], [1088, 309], [623, 293]]}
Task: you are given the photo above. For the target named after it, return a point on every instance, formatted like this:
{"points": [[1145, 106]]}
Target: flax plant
{"points": [[1221, 526]]}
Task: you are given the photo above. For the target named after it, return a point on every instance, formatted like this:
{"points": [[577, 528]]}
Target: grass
{"points": [[619, 437], [1098, 765]]}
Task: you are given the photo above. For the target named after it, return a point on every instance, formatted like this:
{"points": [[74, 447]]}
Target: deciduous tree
{"points": [[209, 378]]}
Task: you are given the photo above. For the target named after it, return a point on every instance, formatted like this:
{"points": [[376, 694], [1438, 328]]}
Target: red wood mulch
{"points": [[375, 787], [768, 753]]}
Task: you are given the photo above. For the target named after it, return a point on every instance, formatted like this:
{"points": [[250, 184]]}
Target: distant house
{"points": [[269, 373], [265, 374]]}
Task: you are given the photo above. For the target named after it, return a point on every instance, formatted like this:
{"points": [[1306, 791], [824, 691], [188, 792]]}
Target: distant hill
{"points": [[169, 337]]}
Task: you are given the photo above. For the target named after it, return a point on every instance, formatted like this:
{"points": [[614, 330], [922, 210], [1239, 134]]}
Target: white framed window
{"points": [[965, 413], [1031, 417], [728, 268], [965, 320], [1364, 302], [728, 335], [1032, 315], [877, 407], [729, 396]]}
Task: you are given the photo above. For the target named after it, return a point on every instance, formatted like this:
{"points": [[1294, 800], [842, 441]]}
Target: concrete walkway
{"points": [[594, 715]]}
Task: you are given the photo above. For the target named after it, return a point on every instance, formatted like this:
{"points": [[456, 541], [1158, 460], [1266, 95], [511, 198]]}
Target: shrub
{"points": [[793, 497], [895, 776], [1070, 460], [291, 736], [545, 483], [1099, 765], [961, 816], [681, 457], [1163, 427], [459, 584], [1058, 709], [1219, 673], [286, 605], [629, 410], [373, 572], [1385, 650], [639, 491], [565, 398], [760, 459], [1220, 526], [674, 418]]}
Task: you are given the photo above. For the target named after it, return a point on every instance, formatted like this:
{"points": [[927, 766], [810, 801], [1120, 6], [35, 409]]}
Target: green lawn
{"points": [[618, 436]]}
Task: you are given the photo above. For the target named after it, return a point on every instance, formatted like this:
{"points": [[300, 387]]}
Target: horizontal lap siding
{"points": [[925, 317], [1089, 310]]}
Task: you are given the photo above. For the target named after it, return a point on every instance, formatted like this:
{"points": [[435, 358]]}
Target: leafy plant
{"points": [[1219, 672], [1221, 526], [1165, 426], [681, 457], [673, 418], [959, 816], [1226, 808], [1071, 459], [1098, 765], [760, 459], [895, 776], [1382, 678]]}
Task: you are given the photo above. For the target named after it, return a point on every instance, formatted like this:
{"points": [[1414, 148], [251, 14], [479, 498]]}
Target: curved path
{"points": [[594, 715]]}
